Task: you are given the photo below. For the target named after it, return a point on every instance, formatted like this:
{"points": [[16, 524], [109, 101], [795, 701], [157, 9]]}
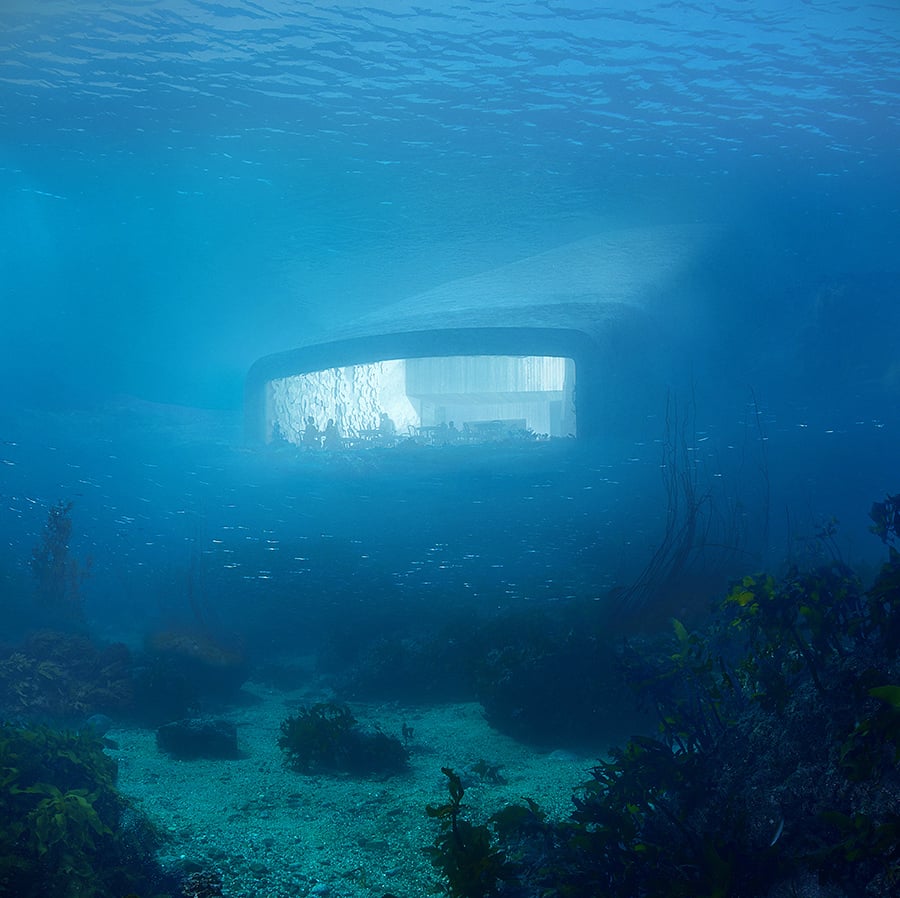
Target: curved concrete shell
{"points": [[598, 302]]}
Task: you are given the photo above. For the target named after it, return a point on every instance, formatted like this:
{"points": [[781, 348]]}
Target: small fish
{"points": [[778, 832]]}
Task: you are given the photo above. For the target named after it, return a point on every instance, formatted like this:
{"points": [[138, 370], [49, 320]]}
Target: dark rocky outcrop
{"points": [[198, 738]]}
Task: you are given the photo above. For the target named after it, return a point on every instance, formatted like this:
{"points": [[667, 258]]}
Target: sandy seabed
{"points": [[272, 832]]}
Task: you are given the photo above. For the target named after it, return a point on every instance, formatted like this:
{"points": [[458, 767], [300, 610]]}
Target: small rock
{"points": [[99, 724], [562, 754], [198, 738]]}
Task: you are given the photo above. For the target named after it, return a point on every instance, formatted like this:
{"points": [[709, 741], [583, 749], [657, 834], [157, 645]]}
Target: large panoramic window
{"points": [[479, 398]]}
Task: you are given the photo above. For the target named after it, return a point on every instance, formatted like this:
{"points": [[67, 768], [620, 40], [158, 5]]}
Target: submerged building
{"points": [[563, 344]]}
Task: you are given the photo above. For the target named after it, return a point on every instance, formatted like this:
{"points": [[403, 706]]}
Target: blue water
{"points": [[189, 186]]}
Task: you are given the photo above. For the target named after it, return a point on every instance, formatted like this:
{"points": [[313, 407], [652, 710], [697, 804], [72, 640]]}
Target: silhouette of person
{"points": [[311, 435], [332, 436], [387, 430]]}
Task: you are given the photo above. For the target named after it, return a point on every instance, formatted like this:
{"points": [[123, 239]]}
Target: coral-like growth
{"points": [[201, 652], [64, 676], [184, 672]]}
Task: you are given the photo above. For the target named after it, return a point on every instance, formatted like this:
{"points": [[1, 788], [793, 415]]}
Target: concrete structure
{"points": [[567, 341]]}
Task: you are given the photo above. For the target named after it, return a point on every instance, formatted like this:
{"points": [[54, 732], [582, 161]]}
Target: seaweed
{"points": [[886, 519], [65, 830], [465, 853], [326, 737], [58, 575], [774, 763], [62, 676], [488, 773]]}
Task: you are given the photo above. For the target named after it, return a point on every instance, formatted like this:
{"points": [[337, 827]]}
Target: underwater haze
{"points": [[710, 568], [189, 186]]}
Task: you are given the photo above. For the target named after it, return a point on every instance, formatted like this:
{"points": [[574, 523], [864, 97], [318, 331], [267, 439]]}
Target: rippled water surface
{"points": [[432, 84]]}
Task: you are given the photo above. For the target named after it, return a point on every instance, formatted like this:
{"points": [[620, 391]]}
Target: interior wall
{"points": [[493, 374], [533, 392], [353, 396]]}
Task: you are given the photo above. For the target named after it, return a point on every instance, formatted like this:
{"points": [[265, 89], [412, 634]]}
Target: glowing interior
{"points": [[485, 397]]}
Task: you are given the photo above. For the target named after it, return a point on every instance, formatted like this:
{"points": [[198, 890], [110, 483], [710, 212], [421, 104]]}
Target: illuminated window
{"points": [[471, 398]]}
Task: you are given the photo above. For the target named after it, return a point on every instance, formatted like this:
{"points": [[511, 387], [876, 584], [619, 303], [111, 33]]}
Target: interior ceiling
{"points": [[488, 398]]}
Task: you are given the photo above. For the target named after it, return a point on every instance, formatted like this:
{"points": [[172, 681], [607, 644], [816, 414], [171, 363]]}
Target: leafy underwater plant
{"points": [[808, 619], [465, 853], [873, 746], [775, 762], [886, 519], [61, 829], [66, 828]]}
